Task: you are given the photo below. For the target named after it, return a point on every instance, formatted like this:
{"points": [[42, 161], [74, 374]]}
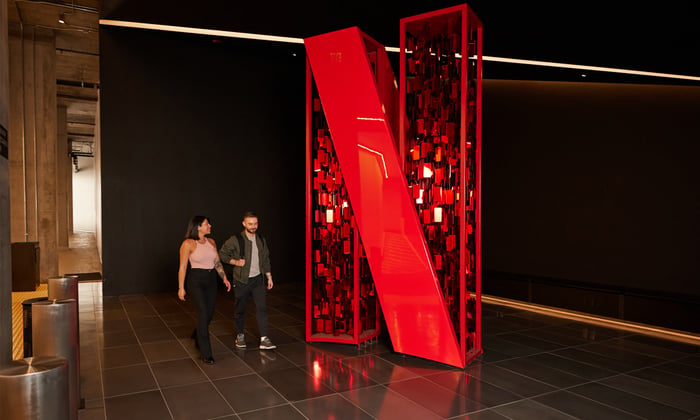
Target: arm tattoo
{"points": [[220, 269]]}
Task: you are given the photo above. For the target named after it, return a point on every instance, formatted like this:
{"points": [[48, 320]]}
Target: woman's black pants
{"points": [[201, 286]]}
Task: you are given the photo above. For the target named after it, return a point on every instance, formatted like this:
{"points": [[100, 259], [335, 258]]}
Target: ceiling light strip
{"points": [[200, 31], [273, 38], [598, 320], [590, 68]]}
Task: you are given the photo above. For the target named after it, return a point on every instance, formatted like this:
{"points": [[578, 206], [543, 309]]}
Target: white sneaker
{"points": [[266, 344]]}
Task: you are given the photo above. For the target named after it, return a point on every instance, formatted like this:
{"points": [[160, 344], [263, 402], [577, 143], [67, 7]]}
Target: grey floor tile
{"points": [[178, 372], [381, 403], [511, 381], [596, 359], [337, 376], [630, 403], [654, 391], [571, 366], [682, 383], [196, 401], [227, 365], [286, 412], [119, 338], [690, 360], [147, 322], [581, 407], [302, 354], [264, 360], [443, 402], [507, 347], [681, 369], [531, 339], [149, 335], [295, 385], [653, 350], [616, 349], [141, 406], [127, 380], [487, 414], [331, 406], [122, 356], [164, 350], [529, 409], [470, 387], [686, 348], [541, 372], [248, 392], [116, 325], [378, 369]]}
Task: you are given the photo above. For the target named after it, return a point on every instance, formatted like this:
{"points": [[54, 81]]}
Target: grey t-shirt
{"points": [[254, 258]]}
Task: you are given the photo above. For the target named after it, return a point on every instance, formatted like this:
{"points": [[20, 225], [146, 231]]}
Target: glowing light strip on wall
{"points": [[291, 40], [590, 68], [594, 319], [200, 31]]}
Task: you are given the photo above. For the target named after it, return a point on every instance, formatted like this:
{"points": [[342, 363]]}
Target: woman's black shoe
{"points": [[208, 360]]}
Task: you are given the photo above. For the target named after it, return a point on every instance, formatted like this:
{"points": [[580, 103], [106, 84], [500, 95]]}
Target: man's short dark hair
{"points": [[249, 214]]}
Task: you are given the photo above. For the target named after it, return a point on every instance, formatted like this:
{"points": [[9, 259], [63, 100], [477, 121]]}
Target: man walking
{"points": [[249, 255]]}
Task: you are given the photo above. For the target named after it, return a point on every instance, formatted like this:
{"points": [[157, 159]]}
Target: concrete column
{"points": [[45, 80], [98, 179], [63, 178], [33, 139], [5, 268], [21, 133]]}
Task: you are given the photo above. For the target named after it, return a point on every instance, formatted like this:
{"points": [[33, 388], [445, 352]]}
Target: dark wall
{"points": [[593, 183], [584, 183], [190, 126]]}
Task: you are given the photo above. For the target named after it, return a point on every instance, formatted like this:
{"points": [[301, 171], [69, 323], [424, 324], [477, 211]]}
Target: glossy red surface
{"points": [[364, 141]]}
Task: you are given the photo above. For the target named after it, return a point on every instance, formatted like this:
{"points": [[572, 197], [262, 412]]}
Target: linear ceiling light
{"points": [[274, 38]]}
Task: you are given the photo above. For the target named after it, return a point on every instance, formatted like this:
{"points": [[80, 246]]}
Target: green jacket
{"points": [[230, 250]]}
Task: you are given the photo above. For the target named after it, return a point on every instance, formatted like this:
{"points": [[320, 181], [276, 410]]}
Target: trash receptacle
{"points": [[54, 334], [34, 388], [27, 320]]}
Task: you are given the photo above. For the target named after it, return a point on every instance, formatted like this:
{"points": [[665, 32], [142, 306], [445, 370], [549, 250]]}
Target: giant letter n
{"points": [[363, 132]]}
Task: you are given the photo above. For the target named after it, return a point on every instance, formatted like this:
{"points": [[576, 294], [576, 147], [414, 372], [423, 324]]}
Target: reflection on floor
{"points": [[138, 361]]}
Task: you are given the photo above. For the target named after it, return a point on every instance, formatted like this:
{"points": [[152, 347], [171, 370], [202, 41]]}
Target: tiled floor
{"points": [[138, 362]]}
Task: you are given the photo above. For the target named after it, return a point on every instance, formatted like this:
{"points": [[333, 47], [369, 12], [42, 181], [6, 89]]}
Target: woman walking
{"points": [[203, 258]]}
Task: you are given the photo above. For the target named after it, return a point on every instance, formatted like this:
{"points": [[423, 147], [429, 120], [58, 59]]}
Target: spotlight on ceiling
{"points": [[62, 18]]}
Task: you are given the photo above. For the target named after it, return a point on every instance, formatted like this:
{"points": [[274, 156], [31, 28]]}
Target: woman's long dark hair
{"points": [[195, 222]]}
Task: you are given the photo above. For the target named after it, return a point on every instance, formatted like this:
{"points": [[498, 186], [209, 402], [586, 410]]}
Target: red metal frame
{"points": [[434, 35], [330, 282], [431, 311]]}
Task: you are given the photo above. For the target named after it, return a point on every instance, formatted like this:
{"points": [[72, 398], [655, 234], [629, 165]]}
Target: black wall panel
{"points": [[192, 126]]}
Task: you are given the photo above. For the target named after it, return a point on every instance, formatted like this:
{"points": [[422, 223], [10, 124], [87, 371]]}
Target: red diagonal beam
{"points": [[398, 256]]}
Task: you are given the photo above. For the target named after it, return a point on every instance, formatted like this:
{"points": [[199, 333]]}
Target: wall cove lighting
{"points": [[292, 40]]}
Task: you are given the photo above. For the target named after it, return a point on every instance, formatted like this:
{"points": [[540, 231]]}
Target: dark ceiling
{"points": [[624, 34]]}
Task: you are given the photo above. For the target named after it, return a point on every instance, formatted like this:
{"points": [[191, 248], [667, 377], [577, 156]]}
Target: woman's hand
{"points": [[227, 284], [181, 293]]}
